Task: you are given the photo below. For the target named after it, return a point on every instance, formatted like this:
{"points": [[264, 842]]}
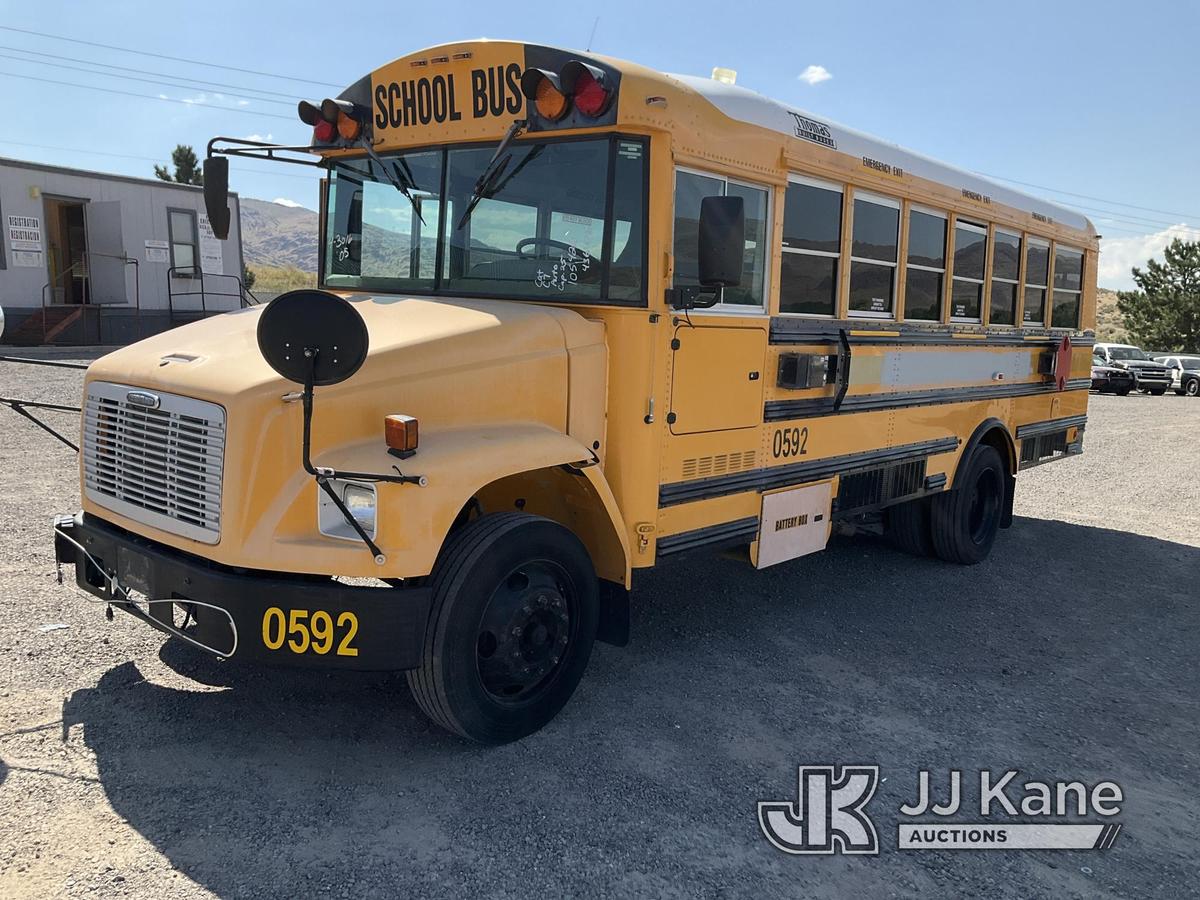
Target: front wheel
{"points": [[1157, 392], [965, 519], [514, 616], [1122, 392]]}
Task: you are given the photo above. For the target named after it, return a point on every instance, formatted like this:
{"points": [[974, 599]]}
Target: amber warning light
{"points": [[400, 433], [331, 119], [578, 84]]}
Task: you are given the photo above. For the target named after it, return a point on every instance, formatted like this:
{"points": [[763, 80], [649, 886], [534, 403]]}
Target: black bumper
{"points": [[258, 616]]}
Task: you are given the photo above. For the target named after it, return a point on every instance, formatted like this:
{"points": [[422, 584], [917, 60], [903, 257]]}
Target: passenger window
{"points": [[1006, 270], [690, 189], [1037, 272], [926, 272], [873, 255], [812, 240], [966, 292], [1068, 287]]}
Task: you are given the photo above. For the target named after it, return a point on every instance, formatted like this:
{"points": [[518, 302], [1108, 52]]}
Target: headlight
{"points": [[361, 503], [360, 499]]}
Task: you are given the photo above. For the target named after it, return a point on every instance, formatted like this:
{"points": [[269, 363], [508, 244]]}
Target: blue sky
{"points": [[1090, 98]]}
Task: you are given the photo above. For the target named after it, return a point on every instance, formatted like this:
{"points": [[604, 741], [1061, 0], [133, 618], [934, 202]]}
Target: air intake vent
{"points": [[876, 486], [722, 463], [1044, 446]]}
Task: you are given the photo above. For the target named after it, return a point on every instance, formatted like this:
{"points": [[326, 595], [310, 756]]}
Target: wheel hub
{"points": [[524, 632]]}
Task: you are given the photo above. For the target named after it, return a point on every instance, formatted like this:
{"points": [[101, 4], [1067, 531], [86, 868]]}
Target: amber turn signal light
{"points": [[400, 433]]}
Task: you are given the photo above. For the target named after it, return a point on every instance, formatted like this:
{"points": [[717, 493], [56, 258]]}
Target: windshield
{"points": [[559, 220], [1126, 353]]}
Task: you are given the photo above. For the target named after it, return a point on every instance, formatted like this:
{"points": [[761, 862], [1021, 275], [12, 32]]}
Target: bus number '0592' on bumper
{"points": [[302, 631]]}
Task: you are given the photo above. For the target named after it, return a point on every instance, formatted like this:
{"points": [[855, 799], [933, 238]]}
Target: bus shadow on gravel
{"points": [[286, 782]]}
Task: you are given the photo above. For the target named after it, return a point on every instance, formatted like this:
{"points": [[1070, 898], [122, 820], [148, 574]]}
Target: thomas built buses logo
{"points": [[812, 130], [829, 814]]}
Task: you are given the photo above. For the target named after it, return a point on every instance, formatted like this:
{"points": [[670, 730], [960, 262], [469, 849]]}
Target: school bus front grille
{"points": [[155, 458]]}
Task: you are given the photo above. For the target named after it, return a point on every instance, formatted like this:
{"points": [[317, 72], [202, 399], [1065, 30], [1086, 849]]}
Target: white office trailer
{"points": [[93, 258]]}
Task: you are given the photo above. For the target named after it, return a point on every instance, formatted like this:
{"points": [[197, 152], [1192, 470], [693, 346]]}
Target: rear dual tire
{"points": [[514, 616], [960, 525]]}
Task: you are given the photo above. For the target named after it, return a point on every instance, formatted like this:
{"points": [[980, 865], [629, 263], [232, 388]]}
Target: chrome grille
{"points": [[157, 460]]}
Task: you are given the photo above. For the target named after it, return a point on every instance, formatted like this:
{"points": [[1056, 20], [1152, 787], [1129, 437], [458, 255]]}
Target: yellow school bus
{"points": [[574, 317]]}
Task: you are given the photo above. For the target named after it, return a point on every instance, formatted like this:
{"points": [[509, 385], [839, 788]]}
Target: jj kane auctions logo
{"points": [[829, 814]]}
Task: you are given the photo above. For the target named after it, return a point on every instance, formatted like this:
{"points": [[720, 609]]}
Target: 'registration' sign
{"points": [[25, 240]]}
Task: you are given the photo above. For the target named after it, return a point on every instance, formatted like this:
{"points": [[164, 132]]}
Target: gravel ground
{"points": [[130, 768]]}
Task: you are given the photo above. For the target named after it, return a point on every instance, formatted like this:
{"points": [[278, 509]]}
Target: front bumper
{"points": [[257, 616]]}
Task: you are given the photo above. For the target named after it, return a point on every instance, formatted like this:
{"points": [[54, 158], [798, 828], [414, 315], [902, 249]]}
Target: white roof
{"points": [[748, 106]]}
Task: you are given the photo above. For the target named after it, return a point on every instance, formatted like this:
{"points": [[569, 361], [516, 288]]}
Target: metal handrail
{"points": [[245, 296], [89, 255]]}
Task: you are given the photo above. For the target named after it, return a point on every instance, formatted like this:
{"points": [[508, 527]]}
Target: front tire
{"points": [[514, 615], [1157, 392], [1122, 392], [965, 519]]}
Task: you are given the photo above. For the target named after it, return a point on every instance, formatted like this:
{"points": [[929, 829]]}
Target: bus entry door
{"points": [[716, 378]]}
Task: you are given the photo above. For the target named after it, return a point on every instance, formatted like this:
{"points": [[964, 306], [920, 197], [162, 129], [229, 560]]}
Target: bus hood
{"points": [[439, 359]]}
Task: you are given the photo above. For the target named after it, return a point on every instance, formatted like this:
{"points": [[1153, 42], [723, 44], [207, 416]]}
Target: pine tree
{"points": [[1164, 312], [187, 168]]}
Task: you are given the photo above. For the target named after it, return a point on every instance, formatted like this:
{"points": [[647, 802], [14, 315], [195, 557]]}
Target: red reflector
{"points": [[324, 132], [590, 96]]}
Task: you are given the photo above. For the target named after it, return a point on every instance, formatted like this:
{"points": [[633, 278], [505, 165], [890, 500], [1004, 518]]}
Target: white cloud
{"points": [[815, 74], [1119, 255], [199, 98], [243, 103], [284, 201], [163, 97], [260, 138]]}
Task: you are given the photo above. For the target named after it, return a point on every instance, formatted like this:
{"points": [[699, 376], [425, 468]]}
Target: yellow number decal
{"points": [[300, 640], [321, 626], [344, 648], [272, 629]]}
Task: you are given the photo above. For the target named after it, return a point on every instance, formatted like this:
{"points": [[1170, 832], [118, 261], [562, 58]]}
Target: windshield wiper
{"points": [[400, 180], [486, 181]]}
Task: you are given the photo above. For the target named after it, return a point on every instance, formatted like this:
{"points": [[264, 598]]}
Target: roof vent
{"points": [[725, 76]]}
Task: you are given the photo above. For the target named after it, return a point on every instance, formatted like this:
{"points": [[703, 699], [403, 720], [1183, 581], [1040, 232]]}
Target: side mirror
{"points": [[722, 241], [720, 250], [216, 194]]}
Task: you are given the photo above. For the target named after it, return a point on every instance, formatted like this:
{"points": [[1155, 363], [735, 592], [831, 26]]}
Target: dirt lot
{"points": [[132, 769]]}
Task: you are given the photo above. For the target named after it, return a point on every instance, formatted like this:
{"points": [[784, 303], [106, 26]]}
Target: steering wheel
{"points": [[539, 241]]}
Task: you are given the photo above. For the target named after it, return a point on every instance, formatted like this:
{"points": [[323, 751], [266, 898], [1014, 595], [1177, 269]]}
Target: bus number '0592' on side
{"points": [[790, 442]]}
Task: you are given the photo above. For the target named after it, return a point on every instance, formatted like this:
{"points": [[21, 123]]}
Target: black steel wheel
{"points": [[515, 610], [966, 519], [1192, 388]]}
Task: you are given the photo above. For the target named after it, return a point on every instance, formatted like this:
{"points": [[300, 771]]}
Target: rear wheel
{"points": [[515, 609], [965, 520], [1192, 388], [1122, 392], [1157, 392], [908, 527]]}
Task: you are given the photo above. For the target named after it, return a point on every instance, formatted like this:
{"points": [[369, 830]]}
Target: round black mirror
{"points": [[300, 327]]}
